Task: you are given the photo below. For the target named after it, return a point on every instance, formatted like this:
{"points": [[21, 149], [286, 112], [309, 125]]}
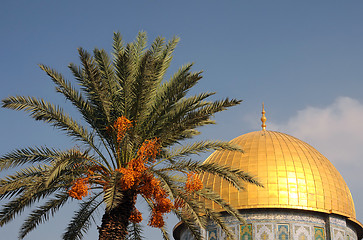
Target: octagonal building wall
{"points": [[277, 224]]}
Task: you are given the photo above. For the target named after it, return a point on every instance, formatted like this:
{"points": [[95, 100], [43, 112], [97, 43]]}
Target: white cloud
{"points": [[337, 132]]}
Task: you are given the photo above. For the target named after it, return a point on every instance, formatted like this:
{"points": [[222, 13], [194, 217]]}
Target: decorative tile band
{"points": [[283, 232], [285, 226], [212, 234], [246, 232], [319, 233]]}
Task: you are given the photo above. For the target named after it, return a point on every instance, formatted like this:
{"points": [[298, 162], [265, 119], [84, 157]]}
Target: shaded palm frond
{"points": [[191, 205], [106, 68], [118, 44], [112, 195], [218, 219], [44, 111], [189, 223], [81, 220], [168, 94], [192, 120], [71, 160], [15, 184], [135, 232], [28, 197], [166, 57], [175, 113], [41, 214], [208, 194], [164, 233]]}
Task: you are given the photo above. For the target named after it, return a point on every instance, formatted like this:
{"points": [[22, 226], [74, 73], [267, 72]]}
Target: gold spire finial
{"points": [[263, 118]]}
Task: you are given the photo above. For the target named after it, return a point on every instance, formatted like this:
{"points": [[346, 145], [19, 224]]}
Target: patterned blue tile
{"points": [[246, 232], [283, 231], [319, 233]]}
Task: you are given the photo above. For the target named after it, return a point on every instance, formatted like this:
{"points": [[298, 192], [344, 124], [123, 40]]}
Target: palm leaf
{"points": [[70, 160], [135, 231], [65, 87], [81, 220], [14, 185], [113, 195], [208, 194], [199, 147], [218, 219], [43, 111], [28, 197], [165, 233], [96, 88], [28, 156], [42, 213], [189, 221]]}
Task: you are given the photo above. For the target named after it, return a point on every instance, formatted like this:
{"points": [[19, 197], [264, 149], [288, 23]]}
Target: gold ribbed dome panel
{"points": [[294, 174]]}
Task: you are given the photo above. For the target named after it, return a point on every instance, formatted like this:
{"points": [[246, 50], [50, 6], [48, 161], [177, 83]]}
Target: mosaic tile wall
{"points": [[319, 234], [281, 225], [283, 231], [212, 234], [264, 231]]}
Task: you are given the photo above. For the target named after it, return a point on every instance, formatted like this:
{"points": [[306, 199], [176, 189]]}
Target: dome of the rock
{"points": [[294, 174], [304, 196]]}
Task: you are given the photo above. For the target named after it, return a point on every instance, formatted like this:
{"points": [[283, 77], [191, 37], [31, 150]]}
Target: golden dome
{"points": [[294, 174]]}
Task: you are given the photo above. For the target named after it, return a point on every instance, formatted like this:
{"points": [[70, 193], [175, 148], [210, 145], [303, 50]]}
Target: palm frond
{"points": [[29, 155], [112, 196], [118, 44], [64, 87], [190, 223], [225, 172], [236, 177], [135, 232], [161, 55], [199, 147], [168, 93], [166, 56], [192, 205], [41, 214], [70, 160], [173, 114], [28, 197], [96, 88], [43, 111], [217, 218], [192, 120], [81, 221], [15, 184], [208, 194], [105, 67], [165, 233]]}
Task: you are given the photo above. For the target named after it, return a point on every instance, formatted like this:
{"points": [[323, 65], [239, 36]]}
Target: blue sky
{"points": [[303, 59]]}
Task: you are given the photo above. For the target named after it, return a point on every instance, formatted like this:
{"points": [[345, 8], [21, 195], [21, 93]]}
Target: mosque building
{"points": [[304, 196]]}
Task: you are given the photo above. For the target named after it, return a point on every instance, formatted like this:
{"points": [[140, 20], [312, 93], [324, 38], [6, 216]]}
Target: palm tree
{"points": [[132, 127]]}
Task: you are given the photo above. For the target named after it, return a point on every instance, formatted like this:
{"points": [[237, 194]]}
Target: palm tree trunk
{"points": [[115, 222]]}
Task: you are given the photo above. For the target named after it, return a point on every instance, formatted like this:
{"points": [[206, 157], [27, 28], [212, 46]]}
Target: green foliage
{"points": [[131, 84]]}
